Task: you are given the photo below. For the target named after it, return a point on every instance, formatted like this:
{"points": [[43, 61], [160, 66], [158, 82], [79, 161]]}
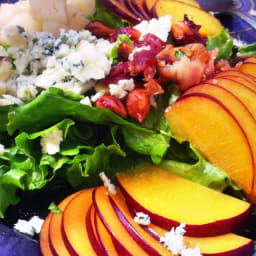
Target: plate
{"points": [[36, 203]]}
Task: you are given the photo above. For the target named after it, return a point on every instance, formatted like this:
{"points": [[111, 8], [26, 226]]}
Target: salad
{"points": [[77, 102]]}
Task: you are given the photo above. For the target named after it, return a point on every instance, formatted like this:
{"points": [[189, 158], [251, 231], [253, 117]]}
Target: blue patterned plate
{"points": [[12, 243]]}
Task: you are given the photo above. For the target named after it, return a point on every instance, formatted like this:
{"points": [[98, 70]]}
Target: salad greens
{"points": [[94, 140], [224, 42], [247, 50], [107, 17]]}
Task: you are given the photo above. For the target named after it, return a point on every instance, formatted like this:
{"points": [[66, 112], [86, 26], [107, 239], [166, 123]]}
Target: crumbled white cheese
{"points": [[174, 241], [71, 62], [142, 219], [96, 96], [30, 227], [107, 183], [159, 27], [51, 140], [191, 252], [2, 149], [121, 89], [86, 101], [138, 49]]}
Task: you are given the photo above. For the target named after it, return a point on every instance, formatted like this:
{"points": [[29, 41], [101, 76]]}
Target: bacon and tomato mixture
{"points": [[151, 62]]}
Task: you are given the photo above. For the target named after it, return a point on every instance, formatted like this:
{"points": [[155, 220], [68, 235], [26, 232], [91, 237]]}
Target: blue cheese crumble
{"points": [[72, 62], [51, 140]]}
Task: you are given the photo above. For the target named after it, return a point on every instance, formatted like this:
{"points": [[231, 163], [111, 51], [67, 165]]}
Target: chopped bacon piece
{"points": [[100, 30], [138, 104], [132, 33], [222, 65], [184, 72], [143, 61], [153, 87], [117, 72], [124, 50], [155, 43], [186, 32]]}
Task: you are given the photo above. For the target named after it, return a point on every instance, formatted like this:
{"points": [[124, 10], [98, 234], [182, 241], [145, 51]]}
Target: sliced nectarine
{"points": [[250, 59], [152, 246], [170, 200], [223, 245], [139, 5], [131, 7], [150, 3], [91, 233], [104, 237], [121, 10], [247, 82], [111, 222], [209, 24], [58, 240], [237, 108], [248, 68], [74, 223], [236, 73], [216, 133], [45, 244]]}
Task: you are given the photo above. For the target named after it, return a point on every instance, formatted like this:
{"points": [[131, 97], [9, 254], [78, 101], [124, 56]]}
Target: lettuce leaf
{"points": [[201, 171], [247, 50], [223, 41], [107, 17]]}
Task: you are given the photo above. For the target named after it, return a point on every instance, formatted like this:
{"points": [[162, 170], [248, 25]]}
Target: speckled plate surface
{"points": [[34, 203]]}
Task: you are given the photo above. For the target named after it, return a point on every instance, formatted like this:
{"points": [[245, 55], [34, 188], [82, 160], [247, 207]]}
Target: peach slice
{"points": [[45, 244], [215, 132], [129, 5], [139, 5], [209, 24], [119, 205], [150, 3], [237, 108], [74, 223], [104, 237], [121, 10], [247, 82], [223, 245], [121, 238], [58, 240], [248, 68], [204, 211], [247, 96], [250, 59], [236, 73]]}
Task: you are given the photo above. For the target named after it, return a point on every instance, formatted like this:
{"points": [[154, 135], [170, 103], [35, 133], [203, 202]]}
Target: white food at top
{"points": [[46, 15], [159, 27]]}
